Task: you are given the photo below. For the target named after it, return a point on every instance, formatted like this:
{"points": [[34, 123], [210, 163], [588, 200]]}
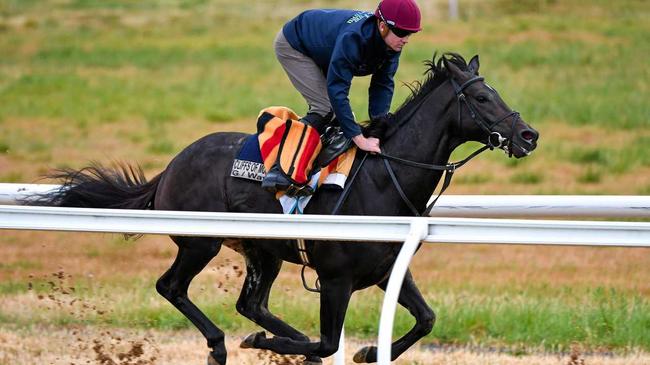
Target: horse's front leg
{"points": [[334, 298], [411, 299]]}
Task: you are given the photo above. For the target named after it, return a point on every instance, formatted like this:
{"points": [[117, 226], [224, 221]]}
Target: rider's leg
{"points": [[308, 79]]}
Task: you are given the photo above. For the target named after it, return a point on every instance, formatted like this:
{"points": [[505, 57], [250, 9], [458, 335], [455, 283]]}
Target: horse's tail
{"points": [[95, 186]]}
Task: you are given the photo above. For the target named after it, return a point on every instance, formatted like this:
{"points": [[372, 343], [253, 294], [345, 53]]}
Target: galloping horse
{"points": [[452, 106]]}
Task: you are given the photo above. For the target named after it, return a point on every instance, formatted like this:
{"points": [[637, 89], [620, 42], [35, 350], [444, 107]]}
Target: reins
{"points": [[346, 190], [495, 140], [447, 169]]}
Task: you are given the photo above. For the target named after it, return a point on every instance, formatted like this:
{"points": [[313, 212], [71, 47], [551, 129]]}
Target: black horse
{"points": [[453, 105]]}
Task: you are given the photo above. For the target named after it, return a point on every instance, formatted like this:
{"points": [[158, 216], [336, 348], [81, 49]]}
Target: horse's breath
{"points": [[453, 105]]}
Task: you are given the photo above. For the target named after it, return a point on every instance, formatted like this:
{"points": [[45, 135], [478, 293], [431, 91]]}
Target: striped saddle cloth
{"points": [[283, 139]]}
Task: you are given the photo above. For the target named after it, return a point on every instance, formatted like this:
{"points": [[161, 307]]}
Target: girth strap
{"points": [[302, 251]]}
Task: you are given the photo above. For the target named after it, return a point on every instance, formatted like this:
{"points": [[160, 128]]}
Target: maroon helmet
{"points": [[400, 14]]}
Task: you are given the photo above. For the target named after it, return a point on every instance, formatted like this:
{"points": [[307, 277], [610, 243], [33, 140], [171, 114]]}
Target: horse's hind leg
{"points": [[194, 253], [261, 271], [411, 299]]}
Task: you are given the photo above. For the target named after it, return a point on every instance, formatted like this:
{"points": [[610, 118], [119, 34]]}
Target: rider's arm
{"points": [[380, 92], [339, 78], [345, 57]]}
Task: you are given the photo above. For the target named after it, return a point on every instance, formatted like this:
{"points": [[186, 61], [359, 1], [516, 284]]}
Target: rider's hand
{"points": [[367, 144]]}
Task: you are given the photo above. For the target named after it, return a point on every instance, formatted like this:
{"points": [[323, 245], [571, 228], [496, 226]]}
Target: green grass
{"points": [[551, 319], [531, 178], [218, 64], [12, 287], [4, 147], [616, 160], [73, 66], [473, 179], [12, 177], [590, 176]]}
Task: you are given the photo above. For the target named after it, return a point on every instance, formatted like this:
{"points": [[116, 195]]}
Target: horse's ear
{"points": [[453, 70], [473, 65]]}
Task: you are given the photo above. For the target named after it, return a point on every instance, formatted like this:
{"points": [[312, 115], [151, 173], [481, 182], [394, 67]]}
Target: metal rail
{"points": [[325, 227], [487, 206], [537, 206]]}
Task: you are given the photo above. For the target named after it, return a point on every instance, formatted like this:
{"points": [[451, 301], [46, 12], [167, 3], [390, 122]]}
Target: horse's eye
{"points": [[481, 99]]}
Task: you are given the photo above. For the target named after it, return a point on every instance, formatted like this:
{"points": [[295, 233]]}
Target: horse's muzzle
{"points": [[524, 141]]}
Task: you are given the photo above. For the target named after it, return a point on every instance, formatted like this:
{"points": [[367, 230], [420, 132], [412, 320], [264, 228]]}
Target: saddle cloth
{"points": [[288, 142], [281, 138]]}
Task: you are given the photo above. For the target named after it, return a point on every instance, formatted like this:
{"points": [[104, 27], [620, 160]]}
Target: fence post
{"points": [[339, 356], [419, 230], [453, 9]]}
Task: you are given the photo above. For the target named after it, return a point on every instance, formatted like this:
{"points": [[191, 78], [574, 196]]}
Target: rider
{"points": [[322, 49]]}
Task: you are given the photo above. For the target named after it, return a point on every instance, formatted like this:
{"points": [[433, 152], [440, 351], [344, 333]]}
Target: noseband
{"points": [[495, 139]]}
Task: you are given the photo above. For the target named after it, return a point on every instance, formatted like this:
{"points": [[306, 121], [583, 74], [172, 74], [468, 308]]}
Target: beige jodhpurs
{"points": [[305, 76]]}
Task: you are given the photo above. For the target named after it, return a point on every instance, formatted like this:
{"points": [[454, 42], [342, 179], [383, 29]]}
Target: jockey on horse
{"points": [[321, 51]]}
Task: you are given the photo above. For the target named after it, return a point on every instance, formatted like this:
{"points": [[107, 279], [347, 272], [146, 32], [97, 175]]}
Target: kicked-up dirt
{"points": [[77, 345]]}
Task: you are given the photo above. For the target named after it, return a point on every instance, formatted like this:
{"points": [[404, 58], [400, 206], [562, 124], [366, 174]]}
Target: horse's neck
{"points": [[426, 135], [427, 138]]}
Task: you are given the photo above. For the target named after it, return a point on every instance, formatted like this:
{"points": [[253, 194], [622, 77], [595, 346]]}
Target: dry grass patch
{"points": [[509, 267], [91, 345], [106, 256]]}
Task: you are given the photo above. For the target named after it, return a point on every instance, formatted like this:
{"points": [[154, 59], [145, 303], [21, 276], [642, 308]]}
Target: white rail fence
{"points": [[533, 206], [409, 230]]}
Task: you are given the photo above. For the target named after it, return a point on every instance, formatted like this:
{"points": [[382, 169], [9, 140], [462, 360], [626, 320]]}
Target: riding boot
{"points": [[275, 180], [317, 121], [334, 143]]}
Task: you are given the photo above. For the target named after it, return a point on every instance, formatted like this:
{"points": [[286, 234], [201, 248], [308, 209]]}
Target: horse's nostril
{"points": [[528, 135]]}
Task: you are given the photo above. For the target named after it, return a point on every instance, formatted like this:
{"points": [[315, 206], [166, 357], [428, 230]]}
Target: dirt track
{"points": [[89, 345]]}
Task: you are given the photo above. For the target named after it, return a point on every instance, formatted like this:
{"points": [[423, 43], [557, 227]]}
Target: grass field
{"points": [[137, 81]]}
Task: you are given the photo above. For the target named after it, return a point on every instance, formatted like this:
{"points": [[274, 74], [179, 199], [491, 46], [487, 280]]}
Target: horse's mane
{"points": [[436, 74]]}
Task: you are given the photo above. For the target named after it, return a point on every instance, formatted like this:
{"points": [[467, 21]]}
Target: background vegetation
{"points": [[138, 80]]}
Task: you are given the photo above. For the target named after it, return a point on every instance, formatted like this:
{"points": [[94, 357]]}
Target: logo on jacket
{"points": [[359, 16]]}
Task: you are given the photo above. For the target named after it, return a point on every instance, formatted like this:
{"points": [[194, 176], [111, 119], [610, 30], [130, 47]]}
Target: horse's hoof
{"points": [[314, 360], [249, 341], [365, 355], [212, 360]]}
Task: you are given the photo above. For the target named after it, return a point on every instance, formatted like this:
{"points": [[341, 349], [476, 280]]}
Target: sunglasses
{"points": [[399, 32]]}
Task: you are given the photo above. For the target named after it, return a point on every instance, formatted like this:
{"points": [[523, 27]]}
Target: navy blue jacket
{"points": [[346, 43]]}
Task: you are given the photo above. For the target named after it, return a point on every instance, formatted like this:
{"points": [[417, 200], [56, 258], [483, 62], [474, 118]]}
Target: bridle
{"points": [[494, 140]]}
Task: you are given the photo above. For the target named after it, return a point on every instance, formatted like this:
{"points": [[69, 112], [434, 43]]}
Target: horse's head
{"points": [[482, 115]]}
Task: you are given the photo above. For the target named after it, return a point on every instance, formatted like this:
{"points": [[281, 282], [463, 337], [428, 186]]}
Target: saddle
{"points": [[283, 140]]}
